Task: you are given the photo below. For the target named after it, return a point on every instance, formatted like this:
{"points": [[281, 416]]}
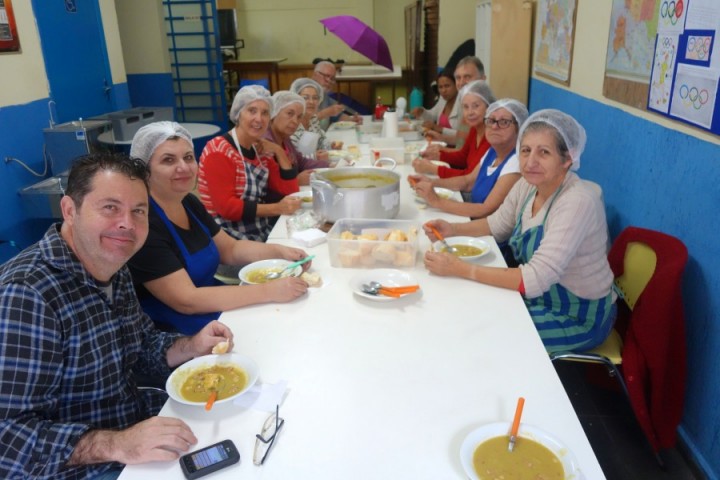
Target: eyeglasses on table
{"points": [[266, 438]]}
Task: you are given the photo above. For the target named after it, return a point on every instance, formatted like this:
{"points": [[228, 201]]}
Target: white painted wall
{"points": [[24, 78]]}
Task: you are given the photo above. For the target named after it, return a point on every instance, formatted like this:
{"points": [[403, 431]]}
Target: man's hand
{"points": [[156, 439]]}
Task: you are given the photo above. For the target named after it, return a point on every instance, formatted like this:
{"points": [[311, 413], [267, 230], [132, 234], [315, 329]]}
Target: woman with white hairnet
{"points": [[288, 110], [174, 270], [245, 180], [556, 229], [492, 178], [474, 99], [312, 92]]}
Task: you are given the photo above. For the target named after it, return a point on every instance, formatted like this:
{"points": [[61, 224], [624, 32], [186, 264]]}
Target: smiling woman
{"points": [[174, 272]]}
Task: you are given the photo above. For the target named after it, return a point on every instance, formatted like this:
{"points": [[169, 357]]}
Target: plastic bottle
{"points": [[379, 109], [416, 99], [400, 106]]}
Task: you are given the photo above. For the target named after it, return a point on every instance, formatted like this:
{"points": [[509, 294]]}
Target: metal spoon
{"points": [[276, 275], [448, 248]]}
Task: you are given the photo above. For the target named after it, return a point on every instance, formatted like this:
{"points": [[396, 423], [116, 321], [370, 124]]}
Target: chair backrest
{"points": [[639, 266]]}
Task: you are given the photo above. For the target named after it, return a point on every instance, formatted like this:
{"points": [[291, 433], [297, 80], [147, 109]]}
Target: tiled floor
{"points": [[613, 432]]}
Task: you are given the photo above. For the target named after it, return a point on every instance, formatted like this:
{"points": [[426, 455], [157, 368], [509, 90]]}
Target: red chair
{"points": [[648, 340]]}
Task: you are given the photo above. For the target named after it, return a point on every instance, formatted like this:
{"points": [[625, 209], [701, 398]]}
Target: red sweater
{"points": [[222, 180], [465, 159]]}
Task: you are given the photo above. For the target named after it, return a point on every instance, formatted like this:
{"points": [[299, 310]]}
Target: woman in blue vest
{"points": [[556, 228], [495, 174], [174, 271]]}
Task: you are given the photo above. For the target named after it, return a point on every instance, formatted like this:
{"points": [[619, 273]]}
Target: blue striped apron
{"points": [[563, 320]]}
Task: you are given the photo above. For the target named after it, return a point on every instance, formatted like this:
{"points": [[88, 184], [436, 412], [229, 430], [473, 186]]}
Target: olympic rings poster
{"points": [[686, 64]]}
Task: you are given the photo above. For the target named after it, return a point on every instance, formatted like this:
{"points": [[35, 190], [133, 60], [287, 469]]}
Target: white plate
{"points": [[486, 432], [306, 197], [388, 277], [344, 125], [439, 191], [272, 263], [475, 242], [177, 378], [439, 144]]}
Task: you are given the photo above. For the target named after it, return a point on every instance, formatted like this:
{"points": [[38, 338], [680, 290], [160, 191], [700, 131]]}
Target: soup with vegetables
{"points": [[227, 380], [465, 250], [530, 460]]}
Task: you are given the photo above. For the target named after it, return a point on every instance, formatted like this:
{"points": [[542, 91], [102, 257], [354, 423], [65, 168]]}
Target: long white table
{"points": [[385, 390]]}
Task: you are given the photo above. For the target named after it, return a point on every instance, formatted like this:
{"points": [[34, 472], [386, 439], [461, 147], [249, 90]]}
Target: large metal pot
{"points": [[355, 193]]}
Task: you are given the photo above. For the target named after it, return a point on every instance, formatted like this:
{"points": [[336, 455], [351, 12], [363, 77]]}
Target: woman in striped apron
{"points": [[557, 231]]}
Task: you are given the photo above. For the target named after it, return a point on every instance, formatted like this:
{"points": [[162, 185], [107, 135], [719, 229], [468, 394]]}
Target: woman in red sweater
{"points": [[240, 171], [474, 99]]}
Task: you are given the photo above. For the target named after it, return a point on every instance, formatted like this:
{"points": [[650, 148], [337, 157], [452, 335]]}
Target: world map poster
{"points": [[554, 33], [633, 26]]}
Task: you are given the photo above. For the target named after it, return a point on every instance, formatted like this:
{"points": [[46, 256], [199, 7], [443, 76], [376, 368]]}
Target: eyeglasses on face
{"points": [[266, 438], [502, 123], [328, 77]]}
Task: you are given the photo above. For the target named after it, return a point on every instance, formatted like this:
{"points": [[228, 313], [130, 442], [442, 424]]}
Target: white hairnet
{"points": [[284, 98], [572, 133], [247, 95], [301, 83], [517, 109], [479, 88], [151, 136]]}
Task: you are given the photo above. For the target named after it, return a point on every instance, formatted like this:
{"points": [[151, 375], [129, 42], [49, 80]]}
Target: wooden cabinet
{"points": [[503, 41]]}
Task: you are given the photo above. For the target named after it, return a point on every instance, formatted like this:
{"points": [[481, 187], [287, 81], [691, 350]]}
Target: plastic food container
{"points": [[373, 243]]}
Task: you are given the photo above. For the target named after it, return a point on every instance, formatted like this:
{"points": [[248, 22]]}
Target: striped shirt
{"points": [[67, 359]]}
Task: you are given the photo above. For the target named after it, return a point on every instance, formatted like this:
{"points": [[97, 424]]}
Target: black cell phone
{"points": [[209, 459]]}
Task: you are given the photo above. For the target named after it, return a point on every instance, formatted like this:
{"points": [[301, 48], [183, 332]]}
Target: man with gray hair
{"points": [[329, 110]]}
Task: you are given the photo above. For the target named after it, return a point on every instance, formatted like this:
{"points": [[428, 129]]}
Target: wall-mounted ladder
{"points": [[196, 61]]}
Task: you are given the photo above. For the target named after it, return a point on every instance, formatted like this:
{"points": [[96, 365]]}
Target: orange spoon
{"points": [[448, 248], [211, 400], [516, 423]]}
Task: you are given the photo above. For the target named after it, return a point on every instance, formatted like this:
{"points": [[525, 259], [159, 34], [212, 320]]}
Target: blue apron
{"points": [[484, 183], [200, 266], [563, 320]]}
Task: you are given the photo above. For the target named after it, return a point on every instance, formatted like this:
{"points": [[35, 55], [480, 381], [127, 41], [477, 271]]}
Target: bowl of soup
{"points": [[537, 454], [466, 248], [229, 374], [256, 272]]}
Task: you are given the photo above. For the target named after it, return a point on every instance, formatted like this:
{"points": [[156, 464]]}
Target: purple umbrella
{"points": [[360, 38]]}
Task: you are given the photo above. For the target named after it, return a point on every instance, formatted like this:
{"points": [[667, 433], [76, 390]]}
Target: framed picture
{"points": [[9, 41], [554, 35]]}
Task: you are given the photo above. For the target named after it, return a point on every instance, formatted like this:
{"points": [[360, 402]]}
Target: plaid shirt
{"points": [[67, 357]]}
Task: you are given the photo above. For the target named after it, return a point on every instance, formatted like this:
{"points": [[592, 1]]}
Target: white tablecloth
{"points": [[385, 390]]}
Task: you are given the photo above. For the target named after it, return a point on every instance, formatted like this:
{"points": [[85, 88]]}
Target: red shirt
{"points": [[465, 159]]}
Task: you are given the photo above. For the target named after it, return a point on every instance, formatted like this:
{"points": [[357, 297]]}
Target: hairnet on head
{"points": [[517, 109], [284, 98], [479, 88], [572, 133], [151, 136], [247, 95], [301, 83]]}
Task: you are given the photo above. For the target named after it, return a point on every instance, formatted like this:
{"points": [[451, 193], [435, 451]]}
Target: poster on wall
{"points": [[686, 63], [554, 34], [9, 41], [631, 43]]}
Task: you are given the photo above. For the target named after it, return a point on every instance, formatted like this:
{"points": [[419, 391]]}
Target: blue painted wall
{"points": [[24, 142], [151, 89], [658, 178]]}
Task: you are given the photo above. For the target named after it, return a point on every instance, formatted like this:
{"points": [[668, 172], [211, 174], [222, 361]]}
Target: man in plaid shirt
{"points": [[73, 336]]}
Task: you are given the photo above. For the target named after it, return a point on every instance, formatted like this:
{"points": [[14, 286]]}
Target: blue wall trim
{"points": [[23, 141], [658, 178], [151, 90], [121, 96]]}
